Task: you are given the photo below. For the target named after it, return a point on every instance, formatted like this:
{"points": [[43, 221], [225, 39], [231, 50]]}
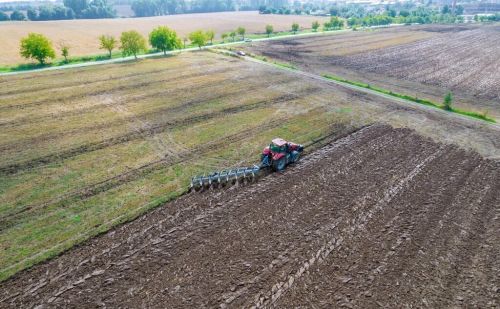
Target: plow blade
{"points": [[224, 177]]}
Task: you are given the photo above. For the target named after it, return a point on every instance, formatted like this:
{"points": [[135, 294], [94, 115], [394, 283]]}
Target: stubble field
{"points": [[85, 149], [424, 61], [82, 35]]}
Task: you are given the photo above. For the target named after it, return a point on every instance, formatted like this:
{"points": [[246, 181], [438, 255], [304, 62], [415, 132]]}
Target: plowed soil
{"points": [[426, 61], [383, 217]]}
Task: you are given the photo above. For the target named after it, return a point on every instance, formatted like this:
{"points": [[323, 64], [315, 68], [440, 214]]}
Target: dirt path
{"points": [[382, 217]]}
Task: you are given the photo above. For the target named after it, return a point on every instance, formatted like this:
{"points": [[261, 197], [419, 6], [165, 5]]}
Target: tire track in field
{"points": [[115, 88], [89, 147], [357, 225], [208, 87], [95, 97], [88, 83], [8, 220]]}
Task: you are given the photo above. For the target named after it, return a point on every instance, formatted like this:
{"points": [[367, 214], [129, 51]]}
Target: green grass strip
{"points": [[473, 114]]}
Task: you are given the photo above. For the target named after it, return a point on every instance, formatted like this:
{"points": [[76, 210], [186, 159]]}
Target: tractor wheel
{"points": [[296, 156], [279, 165]]}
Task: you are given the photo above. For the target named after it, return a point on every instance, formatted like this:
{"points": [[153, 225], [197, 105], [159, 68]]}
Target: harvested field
{"points": [[382, 217], [82, 35], [425, 61], [83, 150]]}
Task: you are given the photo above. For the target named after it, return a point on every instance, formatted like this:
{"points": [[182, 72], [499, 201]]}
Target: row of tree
{"points": [[143, 8], [487, 18], [72, 9], [37, 46], [232, 34], [15, 15]]}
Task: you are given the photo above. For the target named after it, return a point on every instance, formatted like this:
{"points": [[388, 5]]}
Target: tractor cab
{"points": [[278, 145], [280, 153]]}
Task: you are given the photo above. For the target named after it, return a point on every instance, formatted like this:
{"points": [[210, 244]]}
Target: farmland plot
{"points": [[425, 61], [382, 217], [82, 35], [85, 149]]}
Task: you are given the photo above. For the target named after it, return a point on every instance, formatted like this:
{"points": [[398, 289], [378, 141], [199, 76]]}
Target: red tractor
{"points": [[280, 153], [277, 156]]}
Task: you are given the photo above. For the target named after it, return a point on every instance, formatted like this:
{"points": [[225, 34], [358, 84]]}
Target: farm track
{"points": [[382, 217]]}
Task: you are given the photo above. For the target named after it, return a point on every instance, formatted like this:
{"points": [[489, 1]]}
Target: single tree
{"points": [[445, 9], [198, 38], [269, 30], [232, 34], [295, 28], [132, 42], [210, 36], [108, 43], [17, 15], [224, 36], [448, 99], [241, 31], [32, 14], [38, 47], [76, 5], [64, 51], [315, 25], [4, 16], [163, 38]]}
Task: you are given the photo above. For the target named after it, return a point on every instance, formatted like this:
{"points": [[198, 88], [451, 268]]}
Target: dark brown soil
{"points": [[383, 217], [439, 59]]}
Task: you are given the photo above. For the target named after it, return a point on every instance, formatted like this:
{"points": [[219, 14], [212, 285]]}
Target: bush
{"points": [[447, 102], [4, 16], [17, 15]]}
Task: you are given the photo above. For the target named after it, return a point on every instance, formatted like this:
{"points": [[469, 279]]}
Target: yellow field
{"points": [[82, 35]]}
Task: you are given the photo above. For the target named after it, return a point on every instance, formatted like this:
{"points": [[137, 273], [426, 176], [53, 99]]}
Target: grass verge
{"points": [[473, 114]]}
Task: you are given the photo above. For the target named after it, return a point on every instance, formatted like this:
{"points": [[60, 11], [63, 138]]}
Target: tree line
{"points": [[131, 43], [396, 13], [144, 8], [71, 9]]}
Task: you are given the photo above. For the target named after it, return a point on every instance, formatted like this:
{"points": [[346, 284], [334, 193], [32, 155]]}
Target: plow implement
{"points": [[230, 176], [276, 156]]}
